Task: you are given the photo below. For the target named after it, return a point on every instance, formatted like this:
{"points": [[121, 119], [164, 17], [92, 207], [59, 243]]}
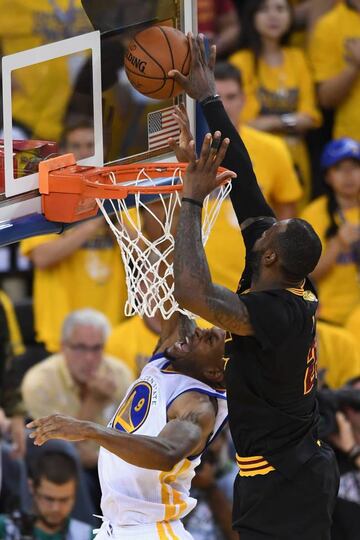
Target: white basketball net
{"points": [[148, 264]]}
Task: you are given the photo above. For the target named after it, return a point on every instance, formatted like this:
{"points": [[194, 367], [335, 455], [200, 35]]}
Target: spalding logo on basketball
{"points": [[133, 412], [135, 61], [151, 54]]}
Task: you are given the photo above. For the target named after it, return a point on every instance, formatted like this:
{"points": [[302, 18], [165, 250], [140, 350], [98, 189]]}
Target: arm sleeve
{"points": [[246, 196], [272, 316]]}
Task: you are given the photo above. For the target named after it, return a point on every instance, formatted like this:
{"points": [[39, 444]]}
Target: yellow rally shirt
{"points": [[92, 277], [41, 92], [272, 164], [337, 354], [339, 290], [326, 51], [353, 325], [132, 339]]}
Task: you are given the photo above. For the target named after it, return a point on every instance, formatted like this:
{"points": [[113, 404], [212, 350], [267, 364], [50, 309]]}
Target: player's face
{"points": [[203, 354], [344, 178], [264, 245], [273, 19], [83, 352], [54, 503], [232, 97]]}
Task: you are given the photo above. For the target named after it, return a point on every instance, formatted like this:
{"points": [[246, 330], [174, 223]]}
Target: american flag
{"points": [[161, 126]]}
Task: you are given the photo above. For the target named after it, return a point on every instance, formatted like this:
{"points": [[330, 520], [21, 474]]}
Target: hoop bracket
{"points": [[69, 191]]}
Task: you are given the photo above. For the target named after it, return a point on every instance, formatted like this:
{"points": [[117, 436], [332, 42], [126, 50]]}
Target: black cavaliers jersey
{"points": [[271, 376]]}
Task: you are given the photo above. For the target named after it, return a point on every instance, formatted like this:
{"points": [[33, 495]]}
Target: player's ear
{"points": [[270, 257]]}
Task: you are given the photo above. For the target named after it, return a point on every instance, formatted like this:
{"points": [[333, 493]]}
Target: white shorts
{"points": [[164, 530]]}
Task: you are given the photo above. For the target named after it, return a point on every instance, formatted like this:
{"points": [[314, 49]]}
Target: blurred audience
{"points": [[81, 268], [353, 325], [134, 341], [11, 407], [277, 82], [335, 217], [274, 169], [335, 57], [24, 25], [218, 20], [211, 518], [78, 138], [307, 12], [53, 486], [338, 355], [80, 381], [341, 427]]}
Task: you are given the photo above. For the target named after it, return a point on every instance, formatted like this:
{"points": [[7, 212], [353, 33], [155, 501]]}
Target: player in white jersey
{"points": [[154, 442]]}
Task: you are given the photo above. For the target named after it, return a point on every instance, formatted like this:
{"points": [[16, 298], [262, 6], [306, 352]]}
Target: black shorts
{"points": [[271, 507]]}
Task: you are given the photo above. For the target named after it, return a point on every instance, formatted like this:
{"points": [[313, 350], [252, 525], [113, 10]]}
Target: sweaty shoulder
{"points": [[194, 406], [277, 316]]}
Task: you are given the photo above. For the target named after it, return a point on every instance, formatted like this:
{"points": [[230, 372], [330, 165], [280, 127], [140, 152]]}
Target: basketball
{"points": [[151, 54]]}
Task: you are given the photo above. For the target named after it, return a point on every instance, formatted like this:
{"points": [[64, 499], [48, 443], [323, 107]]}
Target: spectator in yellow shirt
{"points": [[41, 91], [336, 219], [274, 170], [134, 341], [353, 325], [78, 269], [337, 353], [335, 57], [277, 82]]}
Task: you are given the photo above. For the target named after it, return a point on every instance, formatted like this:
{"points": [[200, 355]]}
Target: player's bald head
{"points": [[297, 246]]}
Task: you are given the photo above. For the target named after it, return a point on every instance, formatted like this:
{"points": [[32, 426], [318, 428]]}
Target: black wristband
{"points": [[192, 201], [210, 99]]}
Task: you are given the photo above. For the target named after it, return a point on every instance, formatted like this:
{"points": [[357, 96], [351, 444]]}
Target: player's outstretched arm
{"points": [[194, 289], [246, 196], [184, 435]]}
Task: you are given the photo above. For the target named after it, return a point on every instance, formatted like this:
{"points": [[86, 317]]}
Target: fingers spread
{"points": [[221, 153], [202, 48], [191, 155], [205, 150]]}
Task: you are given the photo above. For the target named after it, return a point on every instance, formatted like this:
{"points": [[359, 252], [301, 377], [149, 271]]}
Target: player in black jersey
{"points": [[288, 479]]}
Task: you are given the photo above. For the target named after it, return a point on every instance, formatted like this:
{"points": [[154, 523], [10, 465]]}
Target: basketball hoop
{"points": [[71, 193]]}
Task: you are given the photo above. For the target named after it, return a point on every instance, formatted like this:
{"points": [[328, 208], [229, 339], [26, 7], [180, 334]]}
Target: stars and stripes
{"points": [[161, 126]]}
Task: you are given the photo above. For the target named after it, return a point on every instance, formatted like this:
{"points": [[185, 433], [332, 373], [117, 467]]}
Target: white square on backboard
{"points": [[89, 41]]}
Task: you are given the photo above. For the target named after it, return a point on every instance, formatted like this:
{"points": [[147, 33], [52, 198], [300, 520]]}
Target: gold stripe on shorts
{"points": [[253, 465]]}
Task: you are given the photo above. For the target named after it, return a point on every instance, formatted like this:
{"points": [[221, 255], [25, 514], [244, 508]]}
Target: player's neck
{"points": [[268, 284]]}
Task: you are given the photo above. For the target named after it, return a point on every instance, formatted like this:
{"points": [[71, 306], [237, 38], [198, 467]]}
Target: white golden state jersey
{"points": [[132, 495]]}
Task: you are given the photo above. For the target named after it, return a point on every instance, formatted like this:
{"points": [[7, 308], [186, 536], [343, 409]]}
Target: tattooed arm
{"points": [[194, 289], [191, 421], [178, 327]]}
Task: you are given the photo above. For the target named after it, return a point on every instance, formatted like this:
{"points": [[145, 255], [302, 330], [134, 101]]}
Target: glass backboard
{"points": [[64, 89]]}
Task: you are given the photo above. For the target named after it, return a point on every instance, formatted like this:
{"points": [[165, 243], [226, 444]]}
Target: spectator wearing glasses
{"points": [[79, 381], [53, 486]]}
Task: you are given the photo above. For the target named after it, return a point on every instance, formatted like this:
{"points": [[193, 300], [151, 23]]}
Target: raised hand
{"points": [[181, 148], [200, 83], [201, 176]]}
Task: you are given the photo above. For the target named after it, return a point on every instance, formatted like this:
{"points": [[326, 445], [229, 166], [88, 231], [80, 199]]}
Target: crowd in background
{"points": [[288, 73]]}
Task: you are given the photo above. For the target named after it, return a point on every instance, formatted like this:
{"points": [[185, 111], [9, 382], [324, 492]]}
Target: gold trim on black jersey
{"points": [[253, 465]]}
